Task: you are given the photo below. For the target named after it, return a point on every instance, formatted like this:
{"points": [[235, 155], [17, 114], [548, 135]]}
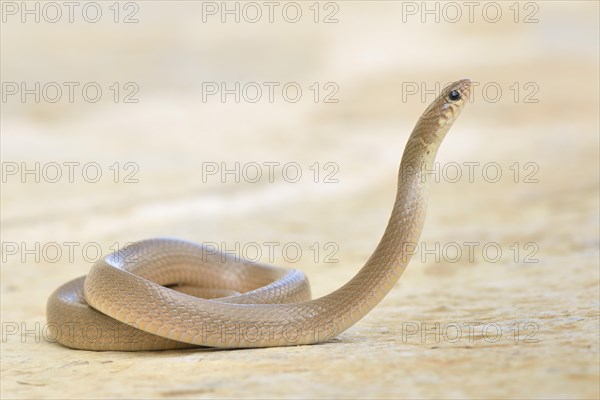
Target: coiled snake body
{"points": [[166, 293]]}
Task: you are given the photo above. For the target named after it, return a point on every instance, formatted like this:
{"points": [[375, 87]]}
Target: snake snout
{"points": [[464, 88]]}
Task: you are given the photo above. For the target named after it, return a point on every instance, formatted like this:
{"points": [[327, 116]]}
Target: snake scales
{"points": [[166, 293]]}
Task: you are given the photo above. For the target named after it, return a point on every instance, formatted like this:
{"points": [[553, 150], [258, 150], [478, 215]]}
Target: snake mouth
{"points": [[457, 92], [463, 87], [450, 103]]}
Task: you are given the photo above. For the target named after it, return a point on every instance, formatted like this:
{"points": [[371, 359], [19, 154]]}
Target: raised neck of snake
{"points": [[391, 256]]}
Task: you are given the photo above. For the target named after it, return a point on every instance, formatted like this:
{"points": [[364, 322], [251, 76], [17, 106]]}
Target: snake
{"points": [[164, 293]]}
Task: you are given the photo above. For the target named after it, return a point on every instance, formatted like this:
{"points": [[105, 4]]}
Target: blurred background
{"points": [[274, 130]]}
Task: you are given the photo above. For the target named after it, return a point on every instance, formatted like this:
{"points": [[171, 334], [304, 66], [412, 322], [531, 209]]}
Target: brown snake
{"points": [[166, 293]]}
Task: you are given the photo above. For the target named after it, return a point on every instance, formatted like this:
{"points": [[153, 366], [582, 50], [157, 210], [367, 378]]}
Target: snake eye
{"points": [[454, 95]]}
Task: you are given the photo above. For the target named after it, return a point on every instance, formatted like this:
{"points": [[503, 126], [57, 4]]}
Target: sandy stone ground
{"points": [[500, 301]]}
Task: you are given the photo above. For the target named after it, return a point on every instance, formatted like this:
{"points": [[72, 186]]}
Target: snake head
{"points": [[441, 114], [451, 101]]}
